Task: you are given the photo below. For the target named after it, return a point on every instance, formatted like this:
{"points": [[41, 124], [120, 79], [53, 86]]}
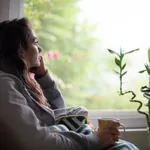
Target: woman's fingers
{"points": [[109, 134], [114, 123]]}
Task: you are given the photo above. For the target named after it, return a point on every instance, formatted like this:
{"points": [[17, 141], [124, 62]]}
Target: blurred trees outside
{"points": [[67, 43], [74, 56]]}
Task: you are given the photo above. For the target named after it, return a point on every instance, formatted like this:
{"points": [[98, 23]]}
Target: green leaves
{"points": [[148, 54], [142, 71], [123, 73], [147, 66], [117, 72], [118, 62], [112, 52], [132, 51], [122, 66]]}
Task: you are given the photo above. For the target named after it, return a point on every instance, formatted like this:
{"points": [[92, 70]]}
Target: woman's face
{"points": [[32, 53]]}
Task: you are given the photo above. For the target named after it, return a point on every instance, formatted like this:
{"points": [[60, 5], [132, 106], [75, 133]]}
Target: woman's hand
{"points": [[39, 71], [109, 134]]}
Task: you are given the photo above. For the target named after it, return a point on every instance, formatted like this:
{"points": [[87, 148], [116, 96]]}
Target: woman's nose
{"points": [[40, 49]]}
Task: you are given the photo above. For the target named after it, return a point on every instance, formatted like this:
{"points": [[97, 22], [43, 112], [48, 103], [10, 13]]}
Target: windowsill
{"points": [[131, 119]]}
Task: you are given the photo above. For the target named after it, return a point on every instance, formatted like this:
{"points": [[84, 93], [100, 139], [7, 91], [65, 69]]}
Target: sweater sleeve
{"points": [[24, 126], [51, 91]]}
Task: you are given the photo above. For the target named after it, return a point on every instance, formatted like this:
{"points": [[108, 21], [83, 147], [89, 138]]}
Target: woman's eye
{"points": [[36, 42]]}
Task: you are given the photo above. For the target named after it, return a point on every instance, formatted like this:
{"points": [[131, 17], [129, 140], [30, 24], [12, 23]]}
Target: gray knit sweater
{"points": [[23, 121]]}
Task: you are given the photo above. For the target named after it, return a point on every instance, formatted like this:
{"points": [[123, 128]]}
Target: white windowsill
{"points": [[131, 119]]}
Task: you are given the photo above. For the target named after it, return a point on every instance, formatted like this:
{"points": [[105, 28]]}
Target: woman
{"points": [[26, 109]]}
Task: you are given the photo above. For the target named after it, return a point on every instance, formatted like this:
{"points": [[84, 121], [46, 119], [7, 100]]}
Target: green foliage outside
{"points": [[71, 54], [59, 31]]}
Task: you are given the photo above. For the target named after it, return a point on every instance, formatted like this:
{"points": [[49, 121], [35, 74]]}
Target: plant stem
{"points": [[120, 76], [141, 112], [148, 105], [140, 106]]}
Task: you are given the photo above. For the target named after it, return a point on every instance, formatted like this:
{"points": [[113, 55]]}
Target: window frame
{"points": [[130, 118]]}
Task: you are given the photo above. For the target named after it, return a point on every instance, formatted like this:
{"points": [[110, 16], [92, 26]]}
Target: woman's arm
{"points": [[24, 126], [49, 87], [51, 92]]}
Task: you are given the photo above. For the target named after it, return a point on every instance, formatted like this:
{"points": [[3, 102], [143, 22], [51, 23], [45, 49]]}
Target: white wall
{"points": [[138, 137]]}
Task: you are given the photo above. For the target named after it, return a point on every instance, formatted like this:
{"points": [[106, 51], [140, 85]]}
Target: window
{"points": [[75, 37], [122, 24]]}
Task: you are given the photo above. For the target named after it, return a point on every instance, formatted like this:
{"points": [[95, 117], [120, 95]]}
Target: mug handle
{"points": [[124, 129]]}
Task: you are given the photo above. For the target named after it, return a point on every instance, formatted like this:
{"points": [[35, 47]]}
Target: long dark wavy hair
{"points": [[15, 35]]}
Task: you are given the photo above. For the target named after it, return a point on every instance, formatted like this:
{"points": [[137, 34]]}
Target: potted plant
{"points": [[121, 72]]}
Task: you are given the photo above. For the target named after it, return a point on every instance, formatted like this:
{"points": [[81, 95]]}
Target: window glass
{"points": [[75, 36]]}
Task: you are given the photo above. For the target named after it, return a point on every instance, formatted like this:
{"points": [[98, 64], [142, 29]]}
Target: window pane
{"points": [[75, 36]]}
